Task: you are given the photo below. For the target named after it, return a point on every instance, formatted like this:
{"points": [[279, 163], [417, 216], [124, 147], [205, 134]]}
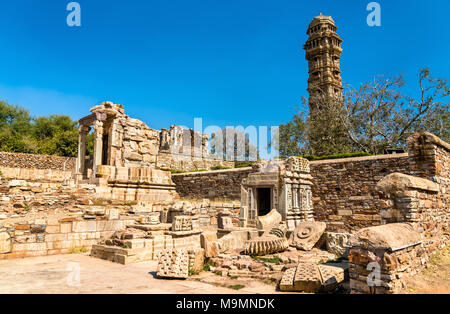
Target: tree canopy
{"points": [[22, 133], [370, 119]]}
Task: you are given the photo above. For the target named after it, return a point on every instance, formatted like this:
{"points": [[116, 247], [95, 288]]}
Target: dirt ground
{"points": [[433, 280], [58, 274]]}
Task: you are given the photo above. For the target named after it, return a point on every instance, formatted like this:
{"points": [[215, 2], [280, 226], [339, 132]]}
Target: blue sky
{"points": [[229, 62]]}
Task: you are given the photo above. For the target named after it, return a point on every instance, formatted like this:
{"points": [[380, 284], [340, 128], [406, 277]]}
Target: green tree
{"points": [[53, 135], [370, 119]]}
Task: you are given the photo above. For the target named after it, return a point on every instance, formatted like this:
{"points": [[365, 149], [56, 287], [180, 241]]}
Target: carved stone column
{"points": [[83, 131], [98, 144]]}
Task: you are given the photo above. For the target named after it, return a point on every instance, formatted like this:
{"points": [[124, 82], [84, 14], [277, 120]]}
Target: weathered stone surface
{"points": [[225, 221], [196, 260], [331, 277], [280, 231], [268, 244], [311, 277], [399, 182], [337, 243], [269, 221], [182, 223], [208, 240], [5, 242], [307, 234], [391, 236], [173, 264], [287, 282]]}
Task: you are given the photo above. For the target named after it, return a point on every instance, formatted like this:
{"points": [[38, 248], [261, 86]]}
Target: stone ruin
{"points": [[283, 185], [123, 205], [131, 161]]}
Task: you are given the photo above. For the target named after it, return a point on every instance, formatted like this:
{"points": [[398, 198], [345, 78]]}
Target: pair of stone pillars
{"points": [[83, 132]]}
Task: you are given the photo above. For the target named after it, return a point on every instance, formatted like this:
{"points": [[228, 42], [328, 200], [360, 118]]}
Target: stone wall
{"points": [[381, 257], [51, 236], [344, 190], [221, 184], [30, 161]]}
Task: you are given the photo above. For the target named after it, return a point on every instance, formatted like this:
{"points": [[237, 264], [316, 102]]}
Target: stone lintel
{"points": [[96, 116], [399, 181]]}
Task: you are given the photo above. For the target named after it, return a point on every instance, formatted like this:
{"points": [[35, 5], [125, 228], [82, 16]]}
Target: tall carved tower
{"points": [[323, 52]]}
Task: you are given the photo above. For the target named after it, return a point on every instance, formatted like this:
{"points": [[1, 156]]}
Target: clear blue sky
{"points": [[234, 62]]}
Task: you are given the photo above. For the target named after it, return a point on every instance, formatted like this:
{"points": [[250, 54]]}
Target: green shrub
{"points": [[244, 165], [220, 168]]}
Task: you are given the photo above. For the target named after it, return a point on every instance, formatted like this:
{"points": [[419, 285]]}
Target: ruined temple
{"points": [[281, 185], [131, 161]]}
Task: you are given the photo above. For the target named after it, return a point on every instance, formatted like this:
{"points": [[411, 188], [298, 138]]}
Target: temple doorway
{"points": [[264, 196]]}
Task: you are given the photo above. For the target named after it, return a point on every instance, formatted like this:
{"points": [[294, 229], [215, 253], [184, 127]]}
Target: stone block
{"points": [[5, 243], [84, 226], [307, 235], [269, 221], [173, 264], [337, 243]]}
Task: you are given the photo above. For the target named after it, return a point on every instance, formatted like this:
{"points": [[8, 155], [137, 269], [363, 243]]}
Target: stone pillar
{"points": [[295, 198], [98, 145], [82, 137]]}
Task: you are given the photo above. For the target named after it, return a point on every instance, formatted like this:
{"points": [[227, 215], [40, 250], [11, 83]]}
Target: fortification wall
{"points": [[344, 194]]}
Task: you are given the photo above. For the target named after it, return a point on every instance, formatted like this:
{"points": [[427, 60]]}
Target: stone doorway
{"points": [[264, 201]]}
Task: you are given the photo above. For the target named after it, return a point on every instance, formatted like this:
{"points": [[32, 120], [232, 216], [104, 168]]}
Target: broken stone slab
{"points": [[311, 277], [337, 243], [392, 237], [269, 221], [307, 234]]}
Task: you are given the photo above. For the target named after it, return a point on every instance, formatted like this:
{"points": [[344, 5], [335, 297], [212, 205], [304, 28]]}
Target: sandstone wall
{"points": [[344, 190], [30, 161], [51, 236], [221, 184], [167, 160]]}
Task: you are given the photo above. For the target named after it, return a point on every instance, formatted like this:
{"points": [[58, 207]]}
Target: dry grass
{"points": [[433, 280]]}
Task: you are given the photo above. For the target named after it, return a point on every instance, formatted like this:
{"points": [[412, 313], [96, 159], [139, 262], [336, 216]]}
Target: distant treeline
{"points": [[20, 132]]}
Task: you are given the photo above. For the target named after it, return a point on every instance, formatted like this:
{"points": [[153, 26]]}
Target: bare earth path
{"points": [[50, 274], [433, 280]]}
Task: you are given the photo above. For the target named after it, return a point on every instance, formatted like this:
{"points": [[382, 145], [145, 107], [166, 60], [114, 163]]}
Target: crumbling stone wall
{"points": [[344, 190], [221, 184], [52, 236], [381, 257], [30, 161]]}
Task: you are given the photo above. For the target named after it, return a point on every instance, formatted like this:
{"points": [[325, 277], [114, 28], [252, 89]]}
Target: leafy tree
{"points": [[53, 135], [370, 119]]}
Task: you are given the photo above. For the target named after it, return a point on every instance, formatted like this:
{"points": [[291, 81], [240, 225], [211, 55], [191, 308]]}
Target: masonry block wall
{"points": [[30, 161], [221, 184], [344, 190]]}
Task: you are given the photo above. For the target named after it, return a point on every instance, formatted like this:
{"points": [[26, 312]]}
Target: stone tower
{"points": [[323, 52]]}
